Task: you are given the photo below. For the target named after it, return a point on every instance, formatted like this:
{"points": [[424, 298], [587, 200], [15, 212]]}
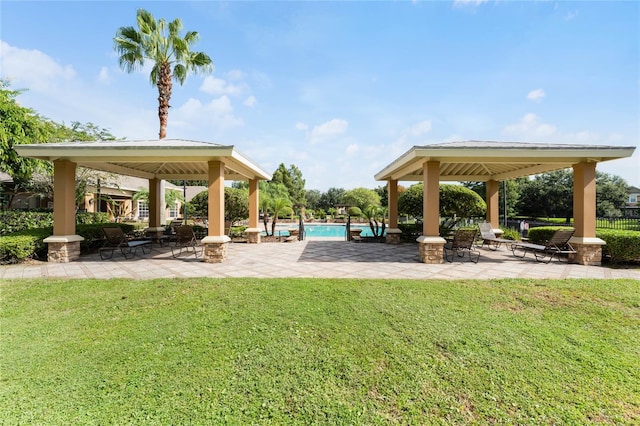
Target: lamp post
{"points": [[99, 199], [184, 196], [504, 190]]}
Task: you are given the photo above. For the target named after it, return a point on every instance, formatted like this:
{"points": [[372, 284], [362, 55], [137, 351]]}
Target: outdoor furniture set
{"points": [[463, 241], [115, 239]]}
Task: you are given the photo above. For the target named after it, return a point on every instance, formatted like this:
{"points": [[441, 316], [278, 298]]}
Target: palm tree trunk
{"points": [[164, 96]]}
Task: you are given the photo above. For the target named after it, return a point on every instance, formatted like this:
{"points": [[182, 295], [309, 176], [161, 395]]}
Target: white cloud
{"points": [[352, 149], [536, 95], [236, 75], [250, 101], [328, 130], [420, 128], [32, 68], [301, 126], [569, 16], [462, 3], [218, 86], [218, 114], [530, 128], [103, 76]]}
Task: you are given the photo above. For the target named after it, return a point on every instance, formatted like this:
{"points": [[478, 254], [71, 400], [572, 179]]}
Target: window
{"points": [[633, 198], [143, 210], [174, 211]]}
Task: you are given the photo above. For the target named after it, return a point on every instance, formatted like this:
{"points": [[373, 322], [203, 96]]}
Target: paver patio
{"points": [[313, 258]]}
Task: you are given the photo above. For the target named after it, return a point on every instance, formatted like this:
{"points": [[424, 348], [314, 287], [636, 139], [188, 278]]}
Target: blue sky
{"points": [[340, 89]]}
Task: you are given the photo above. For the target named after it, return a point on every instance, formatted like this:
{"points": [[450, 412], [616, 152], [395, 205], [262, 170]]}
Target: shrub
{"points": [[23, 245], [86, 218], [542, 234], [18, 220], [510, 234], [29, 244], [621, 245]]}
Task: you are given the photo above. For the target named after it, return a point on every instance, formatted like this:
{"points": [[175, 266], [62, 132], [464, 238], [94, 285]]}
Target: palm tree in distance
{"points": [[171, 55]]}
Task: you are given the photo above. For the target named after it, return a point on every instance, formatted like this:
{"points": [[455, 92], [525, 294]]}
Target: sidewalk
{"points": [[314, 258]]}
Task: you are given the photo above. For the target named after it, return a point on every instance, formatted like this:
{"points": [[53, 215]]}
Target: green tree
{"points": [[292, 179], [236, 204], [361, 197], [313, 199], [611, 195], [331, 198], [513, 194], [279, 206], [170, 53], [455, 200], [20, 125], [548, 195], [376, 216]]}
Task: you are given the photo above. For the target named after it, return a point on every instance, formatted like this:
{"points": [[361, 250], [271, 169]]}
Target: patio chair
{"points": [[115, 239], [185, 239], [489, 238], [462, 243], [558, 244]]}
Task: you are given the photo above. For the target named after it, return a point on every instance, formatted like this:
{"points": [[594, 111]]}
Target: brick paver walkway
{"points": [[324, 258]]}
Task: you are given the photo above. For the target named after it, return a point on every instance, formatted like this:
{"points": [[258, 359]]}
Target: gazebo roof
{"points": [[481, 161], [160, 159]]}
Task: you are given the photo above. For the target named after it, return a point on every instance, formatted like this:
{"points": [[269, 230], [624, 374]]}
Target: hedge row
{"points": [[18, 220], [622, 245], [28, 244]]}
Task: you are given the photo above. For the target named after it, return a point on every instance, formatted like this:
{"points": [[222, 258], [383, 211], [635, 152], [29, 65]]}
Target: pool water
{"points": [[321, 230]]}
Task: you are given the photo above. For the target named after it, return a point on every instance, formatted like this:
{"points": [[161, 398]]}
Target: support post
{"points": [[155, 228], [431, 245], [584, 241], [64, 244], [253, 232], [393, 232], [492, 199], [215, 244]]}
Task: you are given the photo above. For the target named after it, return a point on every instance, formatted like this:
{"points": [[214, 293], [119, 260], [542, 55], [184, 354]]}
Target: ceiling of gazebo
{"points": [[480, 161], [160, 159]]}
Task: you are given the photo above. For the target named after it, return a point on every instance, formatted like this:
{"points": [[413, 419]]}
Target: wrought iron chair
{"points": [[462, 243]]}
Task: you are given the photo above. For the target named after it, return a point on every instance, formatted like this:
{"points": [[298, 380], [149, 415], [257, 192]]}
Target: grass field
{"points": [[248, 351]]}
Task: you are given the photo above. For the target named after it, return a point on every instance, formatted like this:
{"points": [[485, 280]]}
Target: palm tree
{"points": [[279, 206], [171, 55]]}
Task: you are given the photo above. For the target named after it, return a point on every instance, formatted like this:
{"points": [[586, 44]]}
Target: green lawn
{"points": [[319, 351]]}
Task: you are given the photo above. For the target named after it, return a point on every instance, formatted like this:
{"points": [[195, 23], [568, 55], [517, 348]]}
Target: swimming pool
{"points": [[336, 230]]}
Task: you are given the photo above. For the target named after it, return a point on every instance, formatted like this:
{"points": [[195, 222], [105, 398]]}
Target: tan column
{"points": [[216, 198], [64, 245], [393, 232], [492, 199], [392, 193], [156, 209], [64, 198], [431, 206], [254, 211], [584, 199]]}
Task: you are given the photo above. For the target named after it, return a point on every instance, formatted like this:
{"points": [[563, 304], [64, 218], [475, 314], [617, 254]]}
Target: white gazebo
{"points": [[492, 162], [155, 160]]}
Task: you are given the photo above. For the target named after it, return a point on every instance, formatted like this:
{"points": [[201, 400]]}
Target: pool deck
{"points": [[313, 258]]}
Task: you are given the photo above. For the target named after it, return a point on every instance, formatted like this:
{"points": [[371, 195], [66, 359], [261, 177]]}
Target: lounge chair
{"points": [[115, 239], [462, 243], [489, 237], [558, 244], [185, 239]]}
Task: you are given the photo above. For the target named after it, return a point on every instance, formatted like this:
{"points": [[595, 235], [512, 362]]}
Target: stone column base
{"points": [[63, 249], [588, 251], [431, 249], [393, 236], [253, 235], [154, 232], [215, 248]]}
